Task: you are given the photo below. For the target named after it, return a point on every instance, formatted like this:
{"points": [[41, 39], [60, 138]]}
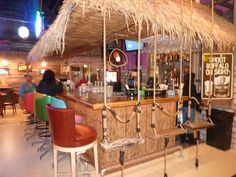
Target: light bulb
{"points": [[117, 56], [4, 63], [23, 32], [44, 64]]}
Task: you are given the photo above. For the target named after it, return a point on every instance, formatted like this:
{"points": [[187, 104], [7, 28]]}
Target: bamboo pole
{"points": [[211, 50], [104, 60], [139, 51], [190, 64]]}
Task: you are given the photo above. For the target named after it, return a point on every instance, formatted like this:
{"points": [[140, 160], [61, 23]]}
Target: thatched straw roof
{"points": [[79, 24]]}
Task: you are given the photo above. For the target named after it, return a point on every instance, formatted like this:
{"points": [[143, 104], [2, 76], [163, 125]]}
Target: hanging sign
{"points": [[24, 67], [220, 67]]}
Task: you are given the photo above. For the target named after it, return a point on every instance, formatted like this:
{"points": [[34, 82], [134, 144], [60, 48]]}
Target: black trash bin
{"points": [[220, 135]]}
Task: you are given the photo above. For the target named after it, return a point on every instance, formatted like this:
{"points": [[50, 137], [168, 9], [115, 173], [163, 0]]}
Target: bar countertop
{"points": [[95, 101]]}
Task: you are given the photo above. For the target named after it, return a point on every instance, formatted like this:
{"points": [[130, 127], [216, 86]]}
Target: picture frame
{"points": [[24, 67], [220, 85]]}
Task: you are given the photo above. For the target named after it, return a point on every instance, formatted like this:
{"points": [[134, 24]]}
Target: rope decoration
{"points": [[122, 63], [119, 144], [117, 117], [167, 113], [180, 102], [190, 71], [104, 125], [190, 66], [211, 50]]}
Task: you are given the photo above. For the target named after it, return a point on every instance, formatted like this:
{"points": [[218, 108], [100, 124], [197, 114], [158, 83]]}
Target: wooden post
{"points": [[234, 18]]}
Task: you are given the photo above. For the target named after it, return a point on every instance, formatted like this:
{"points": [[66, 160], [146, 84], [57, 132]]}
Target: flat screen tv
{"points": [[132, 45], [111, 76]]}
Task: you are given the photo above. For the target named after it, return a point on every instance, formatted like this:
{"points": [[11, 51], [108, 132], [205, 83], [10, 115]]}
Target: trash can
{"points": [[220, 135]]}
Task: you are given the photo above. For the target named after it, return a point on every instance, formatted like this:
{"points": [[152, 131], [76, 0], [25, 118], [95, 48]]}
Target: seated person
{"points": [[82, 81], [27, 86], [150, 82], [75, 81], [49, 85], [131, 83]]}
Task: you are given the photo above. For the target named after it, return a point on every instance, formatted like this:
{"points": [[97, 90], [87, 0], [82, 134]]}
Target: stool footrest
{"points": [[120, 143]]}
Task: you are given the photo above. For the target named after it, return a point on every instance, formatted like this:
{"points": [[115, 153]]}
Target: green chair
{"points": [[40, 109], [42, 116]]}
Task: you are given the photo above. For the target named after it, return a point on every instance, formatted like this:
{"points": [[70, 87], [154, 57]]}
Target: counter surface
{"points": [[95, 101]]}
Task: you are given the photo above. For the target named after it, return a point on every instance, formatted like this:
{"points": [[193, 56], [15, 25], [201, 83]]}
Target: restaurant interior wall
{"points": [[15, 58]]}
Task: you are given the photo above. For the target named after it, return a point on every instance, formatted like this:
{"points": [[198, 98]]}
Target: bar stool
{"points": [[29, 102], [29, 107], [41, 114], [70, 137], [58, 103]]}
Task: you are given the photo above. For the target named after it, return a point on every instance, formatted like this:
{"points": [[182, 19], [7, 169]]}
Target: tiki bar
{"points": [[118, 88]]}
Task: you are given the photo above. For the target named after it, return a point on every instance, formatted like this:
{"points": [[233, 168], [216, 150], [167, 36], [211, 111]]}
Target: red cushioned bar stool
{"points": [[70, 137]]}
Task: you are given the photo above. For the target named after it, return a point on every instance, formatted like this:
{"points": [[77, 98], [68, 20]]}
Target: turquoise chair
{"points": [[58, 103]]}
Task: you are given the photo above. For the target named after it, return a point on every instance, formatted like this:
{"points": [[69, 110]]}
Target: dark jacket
{"points": [[50, 88]]}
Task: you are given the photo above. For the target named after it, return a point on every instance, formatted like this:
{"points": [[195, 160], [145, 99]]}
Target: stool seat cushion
{"points": [[78, 119], [84, 135]]}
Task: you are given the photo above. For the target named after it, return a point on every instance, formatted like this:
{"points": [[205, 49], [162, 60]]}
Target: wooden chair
{"points": [[70, 137], [1, 103], [11, 99]]}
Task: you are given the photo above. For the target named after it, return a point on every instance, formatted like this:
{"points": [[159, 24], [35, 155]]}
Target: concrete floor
{"points": [[20, 159]]}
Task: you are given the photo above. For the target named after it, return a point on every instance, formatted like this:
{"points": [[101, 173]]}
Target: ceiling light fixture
{"points": [[38, 24], [23, 32], [44, 64]]}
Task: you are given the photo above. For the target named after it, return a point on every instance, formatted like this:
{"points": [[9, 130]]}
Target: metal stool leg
{"points": [[55, 162], [197, 143], [165, 155], [73, 164], [95, 151]]}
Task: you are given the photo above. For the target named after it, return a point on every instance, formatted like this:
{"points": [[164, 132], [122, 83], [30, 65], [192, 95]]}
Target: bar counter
{"points": [[89, 106], [95, 101]]}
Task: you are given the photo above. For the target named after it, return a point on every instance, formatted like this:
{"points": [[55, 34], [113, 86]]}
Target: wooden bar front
{"points": [[90, 107]]}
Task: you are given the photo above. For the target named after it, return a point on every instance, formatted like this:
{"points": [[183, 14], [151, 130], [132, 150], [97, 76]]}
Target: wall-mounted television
{"points": [[132, 45], [111, 76]]}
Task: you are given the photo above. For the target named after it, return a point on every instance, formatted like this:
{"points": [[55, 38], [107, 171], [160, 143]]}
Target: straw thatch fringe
{"points": [[158, 15]]}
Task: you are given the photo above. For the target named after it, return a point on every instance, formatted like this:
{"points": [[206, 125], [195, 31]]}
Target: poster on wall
{"points": [[220, 67]]}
